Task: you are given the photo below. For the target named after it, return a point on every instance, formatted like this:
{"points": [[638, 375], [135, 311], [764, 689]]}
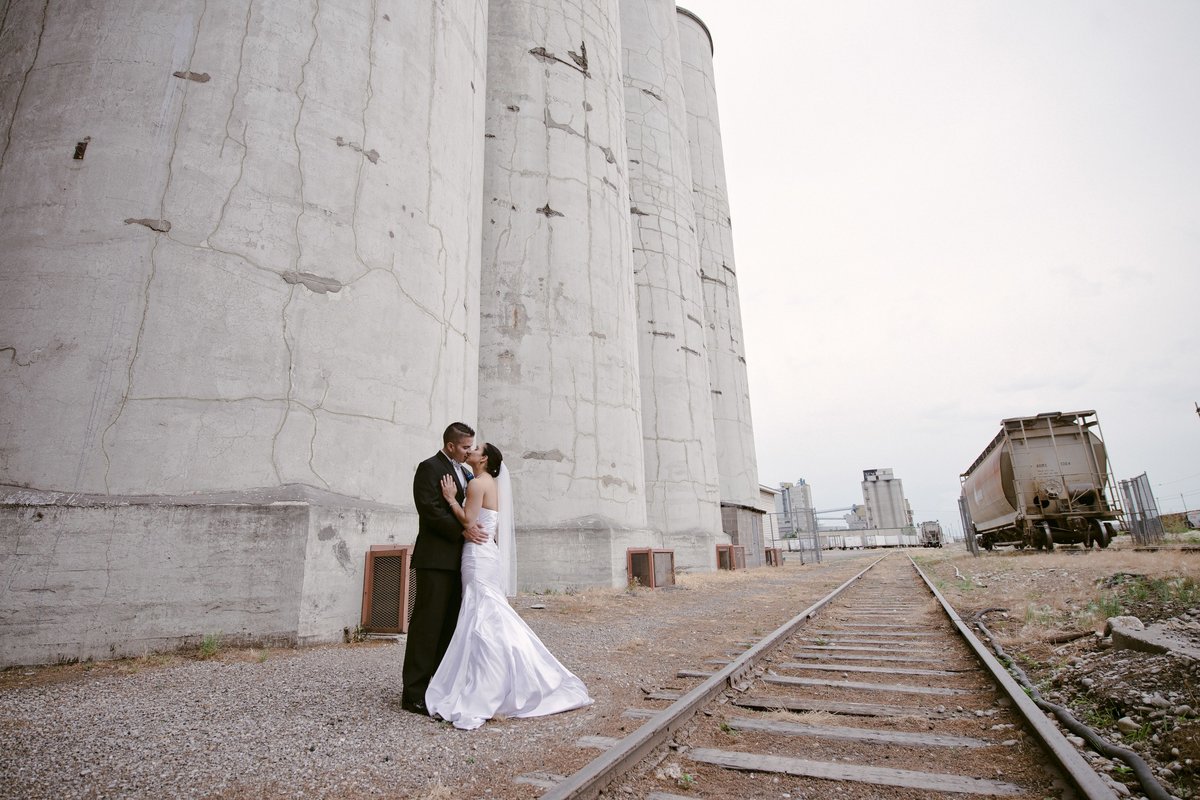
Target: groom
{"points": [[436, 558]]}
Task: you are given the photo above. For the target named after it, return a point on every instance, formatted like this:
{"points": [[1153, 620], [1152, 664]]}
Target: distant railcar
{"points": [[1044, 480], [930, 534]]}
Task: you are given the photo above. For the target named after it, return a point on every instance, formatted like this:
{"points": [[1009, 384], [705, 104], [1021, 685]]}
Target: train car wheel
{"points": [[1104, 535], [1049, 537]]}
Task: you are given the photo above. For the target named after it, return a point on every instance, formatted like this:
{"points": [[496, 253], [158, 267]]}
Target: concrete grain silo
{"points": [[238, 303], [559, 388], [736, 460], [682, 486]]}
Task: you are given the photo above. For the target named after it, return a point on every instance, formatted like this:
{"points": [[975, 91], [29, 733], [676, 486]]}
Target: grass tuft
{"points": [[210, 646]]}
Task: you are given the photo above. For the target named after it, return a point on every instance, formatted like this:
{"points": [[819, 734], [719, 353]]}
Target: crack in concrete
{"points": [[137, 347], [443, 320], [372, 156], [312, 442], [291, 355], [12, 355], [162, 226], [37, 50], [237, 181], [259, 399], [237, 86]]}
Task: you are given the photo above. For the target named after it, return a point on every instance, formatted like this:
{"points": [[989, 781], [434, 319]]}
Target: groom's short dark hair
{"points": [[457, 430]]}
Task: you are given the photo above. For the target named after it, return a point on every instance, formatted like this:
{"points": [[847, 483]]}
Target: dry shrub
{"points": [[437, 791], [1047, 595]]}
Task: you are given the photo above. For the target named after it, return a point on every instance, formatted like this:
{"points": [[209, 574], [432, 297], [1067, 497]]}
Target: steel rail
{"points": [[1076, 769], [588, 782]]}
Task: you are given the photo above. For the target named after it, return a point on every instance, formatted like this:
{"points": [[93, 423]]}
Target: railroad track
{"points": [[878, 690]]}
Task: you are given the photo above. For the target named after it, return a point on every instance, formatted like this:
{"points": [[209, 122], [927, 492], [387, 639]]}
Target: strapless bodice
{"points": [[488, 520]]}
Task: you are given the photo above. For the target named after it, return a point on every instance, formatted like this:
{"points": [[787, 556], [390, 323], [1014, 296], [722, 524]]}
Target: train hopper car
{"points": [[1043, 480]]}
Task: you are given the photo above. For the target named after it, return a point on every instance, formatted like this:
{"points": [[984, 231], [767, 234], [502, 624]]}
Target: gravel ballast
{"points": [[327, 722]]}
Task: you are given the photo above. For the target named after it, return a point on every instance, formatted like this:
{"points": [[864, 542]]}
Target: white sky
{"points": [[949, 213]]}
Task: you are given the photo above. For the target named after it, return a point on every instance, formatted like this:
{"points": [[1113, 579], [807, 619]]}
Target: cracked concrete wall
{"points": [[82, 577], [137, 575], [682, 483], [559, 385], [263, 268], [240, 254], [736, 459]]}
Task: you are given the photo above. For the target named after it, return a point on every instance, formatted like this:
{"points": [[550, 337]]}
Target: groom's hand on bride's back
{"points": [[475, 534]]}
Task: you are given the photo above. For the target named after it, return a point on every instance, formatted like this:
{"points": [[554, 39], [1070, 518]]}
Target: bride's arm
{"points": [[470, 513]]}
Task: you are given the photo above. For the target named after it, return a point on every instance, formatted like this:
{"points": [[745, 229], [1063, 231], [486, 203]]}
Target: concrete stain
{"points": [[342, 553]]}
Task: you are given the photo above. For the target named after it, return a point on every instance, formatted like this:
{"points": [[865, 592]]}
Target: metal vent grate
{"points": [[385, 595], [389, 589]]}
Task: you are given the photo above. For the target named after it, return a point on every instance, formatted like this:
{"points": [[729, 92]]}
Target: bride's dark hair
{"points": [[494, 459]]}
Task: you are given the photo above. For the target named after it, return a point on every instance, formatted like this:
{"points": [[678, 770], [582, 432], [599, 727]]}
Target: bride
{"points": [[495, 666]]}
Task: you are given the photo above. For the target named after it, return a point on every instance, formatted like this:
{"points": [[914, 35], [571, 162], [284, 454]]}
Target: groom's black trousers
{"points": [[434, 616]]}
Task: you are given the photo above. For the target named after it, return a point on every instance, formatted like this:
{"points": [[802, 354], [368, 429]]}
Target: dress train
{"points": [[496, 666]]}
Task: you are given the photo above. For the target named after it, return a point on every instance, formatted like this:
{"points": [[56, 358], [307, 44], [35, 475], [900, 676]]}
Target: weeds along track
{"points": [[876, 691]]}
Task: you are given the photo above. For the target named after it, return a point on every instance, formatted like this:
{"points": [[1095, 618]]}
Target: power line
{"points": [[1178, 480]]}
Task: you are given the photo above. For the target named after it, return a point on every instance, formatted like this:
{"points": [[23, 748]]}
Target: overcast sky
{"points": [[949, 213]]}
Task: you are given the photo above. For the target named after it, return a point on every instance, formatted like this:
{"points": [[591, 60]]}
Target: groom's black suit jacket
{"points": [[439, 536]]}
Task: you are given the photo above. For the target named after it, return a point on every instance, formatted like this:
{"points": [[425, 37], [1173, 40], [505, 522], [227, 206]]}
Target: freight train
{"points": [[1043, 480], [866, 540], [930, 534]]}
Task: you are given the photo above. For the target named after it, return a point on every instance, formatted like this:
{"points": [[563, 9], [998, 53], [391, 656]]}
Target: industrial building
{"points": [[257, 257], [883, 498]]}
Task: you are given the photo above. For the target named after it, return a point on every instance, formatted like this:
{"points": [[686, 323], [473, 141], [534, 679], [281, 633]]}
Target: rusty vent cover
{"points": [[389, 588], [650, 567], [731, 556]]}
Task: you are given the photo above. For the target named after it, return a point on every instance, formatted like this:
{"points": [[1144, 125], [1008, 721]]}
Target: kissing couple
{"points": [[469, 656]]}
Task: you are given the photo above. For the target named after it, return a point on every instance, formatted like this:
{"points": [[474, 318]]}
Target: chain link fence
{"points": [[1145, 524], [795, 539]]}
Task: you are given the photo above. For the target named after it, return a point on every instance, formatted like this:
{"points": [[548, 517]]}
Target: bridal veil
{"points": [[505, 533]]}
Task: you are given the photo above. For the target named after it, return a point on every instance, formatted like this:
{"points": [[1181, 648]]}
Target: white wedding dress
{"points": [[495, 665]]}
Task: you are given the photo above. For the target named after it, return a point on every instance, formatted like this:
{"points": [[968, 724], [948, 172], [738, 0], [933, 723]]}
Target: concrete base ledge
{"points": [[94, 577], [591, 551], [588, 551]]}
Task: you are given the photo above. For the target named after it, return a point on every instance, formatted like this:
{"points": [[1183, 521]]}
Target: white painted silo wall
{"points": [[682, 485], [736, 459], [264, 268], [559, 387]]}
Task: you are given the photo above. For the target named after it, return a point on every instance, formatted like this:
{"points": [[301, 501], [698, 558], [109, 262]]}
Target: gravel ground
{"points": [[326, 721], [1052, 622]]}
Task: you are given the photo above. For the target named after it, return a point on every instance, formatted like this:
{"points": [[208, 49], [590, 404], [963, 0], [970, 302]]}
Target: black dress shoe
{"points": [[416, 708]]}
